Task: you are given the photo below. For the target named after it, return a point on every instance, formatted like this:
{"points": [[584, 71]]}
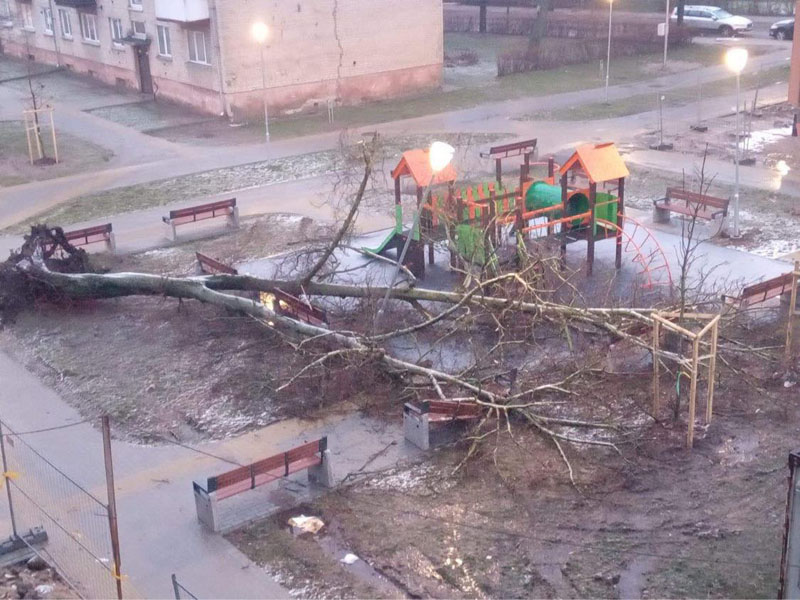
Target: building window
{"points": [[115, 26], [5, 10], [164, 43], [66, 24], [89, 27], [135, 4], [27, 16], [47, 15], [198, 50], [139, 30]]}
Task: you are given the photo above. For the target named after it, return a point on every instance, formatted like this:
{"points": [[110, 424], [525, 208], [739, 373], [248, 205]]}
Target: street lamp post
{"points": [[608, 53], [735, 60], [666, 32], [260, 33], [439, 156]]}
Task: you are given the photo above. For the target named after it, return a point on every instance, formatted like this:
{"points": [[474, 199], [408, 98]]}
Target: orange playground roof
{"points": [[416, 164], [600, 162]]}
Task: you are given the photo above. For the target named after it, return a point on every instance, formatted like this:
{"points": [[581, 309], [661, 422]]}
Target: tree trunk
{"points": [[539, 30], [482, 16]]}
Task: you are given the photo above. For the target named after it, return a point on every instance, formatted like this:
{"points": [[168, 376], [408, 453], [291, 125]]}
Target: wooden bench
{"points": [[193, 214], [211, 266], [762, 291], [293, 307], [91, 235], [313, 457], [690, 204], [417, 419]]}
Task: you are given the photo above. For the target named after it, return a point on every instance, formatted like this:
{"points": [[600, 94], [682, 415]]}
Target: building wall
{"points": [[347, 51], [319, 50], [794, 77], [174, 77]]}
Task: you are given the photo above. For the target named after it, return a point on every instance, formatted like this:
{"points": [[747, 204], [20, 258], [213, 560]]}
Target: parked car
{"points": [[713, 18], [782, 30]]}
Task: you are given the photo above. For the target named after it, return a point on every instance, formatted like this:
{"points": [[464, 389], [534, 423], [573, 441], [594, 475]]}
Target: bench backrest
{"points": [[516, 148], [764, 290], [211, 207], [293, 307], [88, 232], [675, 193], [452, 408], [250, 472], [211, 265]]}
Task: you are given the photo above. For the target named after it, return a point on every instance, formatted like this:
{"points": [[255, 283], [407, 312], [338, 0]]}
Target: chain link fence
{"points": [[77, 523]]}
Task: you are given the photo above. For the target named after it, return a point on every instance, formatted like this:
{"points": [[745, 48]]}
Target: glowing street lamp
{"points": [[260, 34], [440, 155], [735, 60], [608, 54]]}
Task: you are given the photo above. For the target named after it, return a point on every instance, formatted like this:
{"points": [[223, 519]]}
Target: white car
{"points": [[713, 18]]}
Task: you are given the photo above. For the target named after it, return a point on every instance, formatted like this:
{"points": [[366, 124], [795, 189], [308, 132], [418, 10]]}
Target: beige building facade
{"points": [[201, 52]]}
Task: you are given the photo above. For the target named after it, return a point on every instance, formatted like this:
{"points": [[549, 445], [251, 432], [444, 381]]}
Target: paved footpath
{"points": [[140, 230], [159, 531], [20, 202]]}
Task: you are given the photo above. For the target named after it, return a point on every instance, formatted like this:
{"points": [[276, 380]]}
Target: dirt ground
{"points": [[75, 155], [769, 219], [654, 521], [23, 582], [766, 136], [189, 371]]}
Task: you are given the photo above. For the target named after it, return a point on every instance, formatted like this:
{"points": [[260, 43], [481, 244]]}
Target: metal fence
{"points": [[180, 591], [78, 524]]}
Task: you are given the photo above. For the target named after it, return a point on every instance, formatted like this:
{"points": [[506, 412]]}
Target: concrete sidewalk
{"points": [[20, 202], [159, 531]]}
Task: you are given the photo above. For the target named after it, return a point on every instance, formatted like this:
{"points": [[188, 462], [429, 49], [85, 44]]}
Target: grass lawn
{"points": [[228, 179], [537, 83], [672, 98], [75, 154]]}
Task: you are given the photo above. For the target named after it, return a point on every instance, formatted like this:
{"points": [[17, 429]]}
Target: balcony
{"points": [[79, 4], [182, 11]]}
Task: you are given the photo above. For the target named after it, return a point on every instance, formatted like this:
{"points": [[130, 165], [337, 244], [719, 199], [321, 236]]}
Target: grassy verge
{"points": [[672, 98], [492, 89], [197, 185], [76, 156], [537, 83]]}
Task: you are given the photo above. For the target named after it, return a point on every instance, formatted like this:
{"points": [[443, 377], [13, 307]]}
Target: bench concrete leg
{"points": [[206, 506], [172, 235], [234, 217], [660, 215], [322, 474], [417, 430], [112, 243]]}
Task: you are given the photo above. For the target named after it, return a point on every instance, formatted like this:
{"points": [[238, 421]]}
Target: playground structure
{"points": [[486, 225]]}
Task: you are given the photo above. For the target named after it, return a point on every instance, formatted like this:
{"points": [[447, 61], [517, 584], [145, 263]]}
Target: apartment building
{"points": [[201, 52]]}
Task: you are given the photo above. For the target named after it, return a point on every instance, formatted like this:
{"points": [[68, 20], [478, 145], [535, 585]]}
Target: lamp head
{"points": [[440, 155], [260, 32], [736, 59]]}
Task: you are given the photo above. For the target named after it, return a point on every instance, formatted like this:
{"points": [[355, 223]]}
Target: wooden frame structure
{"points": [[33, 129], [666, 320], [793, 312]]}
